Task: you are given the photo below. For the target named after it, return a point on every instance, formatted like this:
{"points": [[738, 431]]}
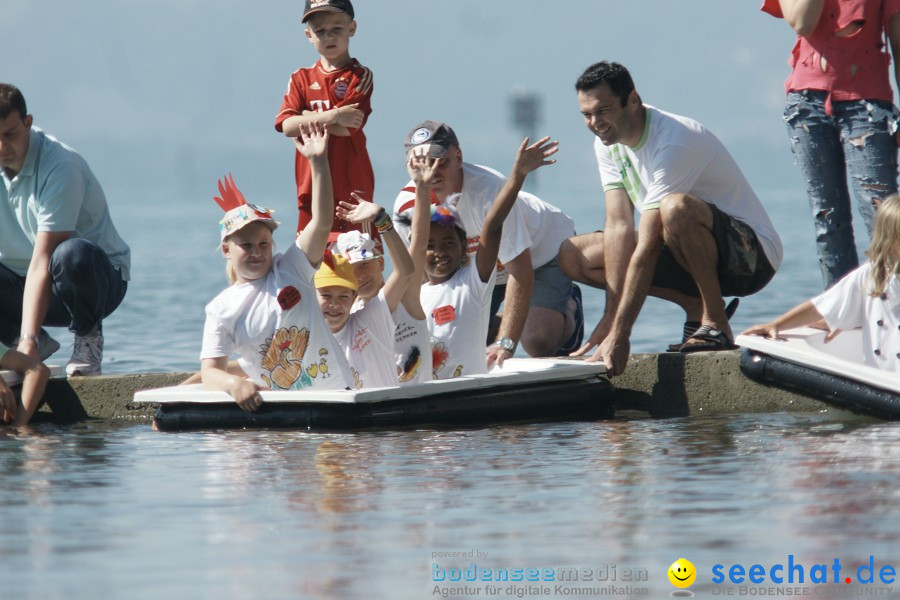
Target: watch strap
{"points": [[506, 343]]}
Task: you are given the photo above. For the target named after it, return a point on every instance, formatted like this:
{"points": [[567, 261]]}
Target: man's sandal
{"points": [[711, 339], [691, 327]]}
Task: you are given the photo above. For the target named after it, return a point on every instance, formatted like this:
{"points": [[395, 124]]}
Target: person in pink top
{"points": [[840, 115]]}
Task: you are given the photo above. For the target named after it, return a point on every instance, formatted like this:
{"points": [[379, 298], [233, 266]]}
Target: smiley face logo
{"points": [[682, 573]]}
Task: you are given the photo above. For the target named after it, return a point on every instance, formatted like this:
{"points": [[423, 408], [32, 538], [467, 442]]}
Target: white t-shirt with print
{"points": [[848, 305], [458, 313], [276, 329], [677, 155], [532, 223], [412, 344], [367, 340]]}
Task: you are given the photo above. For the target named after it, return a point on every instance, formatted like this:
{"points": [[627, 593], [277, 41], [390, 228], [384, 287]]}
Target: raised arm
{"points": [[421, 168], [802, 15], [528, 158], [365, 212], [313, 144]]}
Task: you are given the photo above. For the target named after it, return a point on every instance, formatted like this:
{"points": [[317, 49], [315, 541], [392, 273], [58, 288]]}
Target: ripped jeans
{"points": [[858, 137]]}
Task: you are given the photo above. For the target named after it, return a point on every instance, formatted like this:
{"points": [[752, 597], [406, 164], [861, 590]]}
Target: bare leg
{"points": [[581, 258], [546, 330], [687, 231]]}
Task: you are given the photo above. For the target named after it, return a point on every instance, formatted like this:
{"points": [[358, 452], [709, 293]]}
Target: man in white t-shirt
{"points": [[541, 305], [62, 262], [703, 232]]}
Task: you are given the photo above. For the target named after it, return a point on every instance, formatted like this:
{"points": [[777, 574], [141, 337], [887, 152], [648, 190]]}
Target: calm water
{"points": [[93, 511]]}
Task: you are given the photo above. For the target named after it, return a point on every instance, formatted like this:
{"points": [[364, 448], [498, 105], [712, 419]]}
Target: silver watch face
{"points": [[506, 343]]}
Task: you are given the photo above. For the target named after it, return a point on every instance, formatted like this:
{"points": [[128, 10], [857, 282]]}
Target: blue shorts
{"points": [[552, 289]]}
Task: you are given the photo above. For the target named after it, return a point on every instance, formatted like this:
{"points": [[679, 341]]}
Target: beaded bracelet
{"points": [[383, 221]]}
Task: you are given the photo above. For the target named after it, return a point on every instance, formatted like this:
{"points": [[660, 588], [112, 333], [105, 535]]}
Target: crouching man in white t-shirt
{"points": [[703, 232]]}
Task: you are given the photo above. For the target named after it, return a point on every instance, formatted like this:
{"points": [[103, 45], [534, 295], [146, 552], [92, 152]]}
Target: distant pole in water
{"points": [[526, 116]]}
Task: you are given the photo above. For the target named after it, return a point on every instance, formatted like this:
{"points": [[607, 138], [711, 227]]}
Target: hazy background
{"points": [[165, 96]]}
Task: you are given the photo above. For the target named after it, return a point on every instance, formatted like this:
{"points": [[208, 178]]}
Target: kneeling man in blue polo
{"points": [[62, 262]]}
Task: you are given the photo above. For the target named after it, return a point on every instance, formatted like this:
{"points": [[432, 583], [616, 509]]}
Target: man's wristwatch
{"points": [[507, 344]]}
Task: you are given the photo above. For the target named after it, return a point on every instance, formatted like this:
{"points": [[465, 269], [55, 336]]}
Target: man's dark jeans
{"points": [[86, 288]]}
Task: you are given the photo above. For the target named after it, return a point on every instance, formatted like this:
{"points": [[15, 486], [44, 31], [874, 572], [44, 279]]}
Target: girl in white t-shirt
{"points": [[457, 296], [867, 297], [269, 316], [366, 331], [412, 340]]}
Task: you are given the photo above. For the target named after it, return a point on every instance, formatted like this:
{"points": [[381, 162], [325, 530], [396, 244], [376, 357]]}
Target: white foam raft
{"points": [[525, 389], [801, 361]]}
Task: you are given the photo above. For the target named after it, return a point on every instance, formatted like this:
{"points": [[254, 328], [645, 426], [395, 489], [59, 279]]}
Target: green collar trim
{"points": [[646, 132]]}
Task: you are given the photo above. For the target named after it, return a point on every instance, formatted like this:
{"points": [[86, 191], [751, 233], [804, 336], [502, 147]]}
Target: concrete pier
{"points": [[654, 385]]}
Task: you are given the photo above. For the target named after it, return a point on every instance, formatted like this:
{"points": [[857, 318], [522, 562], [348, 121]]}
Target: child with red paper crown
{"points": [[457, 297], [270, 317]]}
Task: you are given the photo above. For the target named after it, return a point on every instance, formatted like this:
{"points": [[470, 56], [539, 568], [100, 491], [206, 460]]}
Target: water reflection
{"points": [[314, 515]]}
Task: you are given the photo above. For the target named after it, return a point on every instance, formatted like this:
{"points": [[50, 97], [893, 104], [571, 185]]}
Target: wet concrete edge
{"points": [[655, 385]]}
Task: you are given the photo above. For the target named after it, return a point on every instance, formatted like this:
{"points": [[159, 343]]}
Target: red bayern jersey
{"points": [[314, 89]]}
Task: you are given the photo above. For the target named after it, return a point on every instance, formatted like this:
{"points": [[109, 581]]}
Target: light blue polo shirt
{"points": [[55, 191]]}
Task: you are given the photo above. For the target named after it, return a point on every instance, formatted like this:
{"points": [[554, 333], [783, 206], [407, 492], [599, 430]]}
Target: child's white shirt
{"points": [[367, 340], [275, 327], [848, 305], [458, 313], [412, 344]]}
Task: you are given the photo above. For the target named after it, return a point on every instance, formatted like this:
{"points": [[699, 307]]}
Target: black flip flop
{"points": [[691, 327], [711, 340]]}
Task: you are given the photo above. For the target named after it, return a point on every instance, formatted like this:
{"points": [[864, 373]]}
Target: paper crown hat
{"points": [[335, 270], [356, 246], [445, 214], [239, 212]]}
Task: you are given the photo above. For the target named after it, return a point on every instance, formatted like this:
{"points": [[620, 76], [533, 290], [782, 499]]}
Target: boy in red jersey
{"points": [[336, 93]]}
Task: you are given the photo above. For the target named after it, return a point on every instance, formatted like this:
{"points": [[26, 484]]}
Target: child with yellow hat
{"points": [[365, 330]]}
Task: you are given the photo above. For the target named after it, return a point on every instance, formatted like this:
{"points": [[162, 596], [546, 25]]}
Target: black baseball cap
{"points": [[439, 137], [314, 6]]}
